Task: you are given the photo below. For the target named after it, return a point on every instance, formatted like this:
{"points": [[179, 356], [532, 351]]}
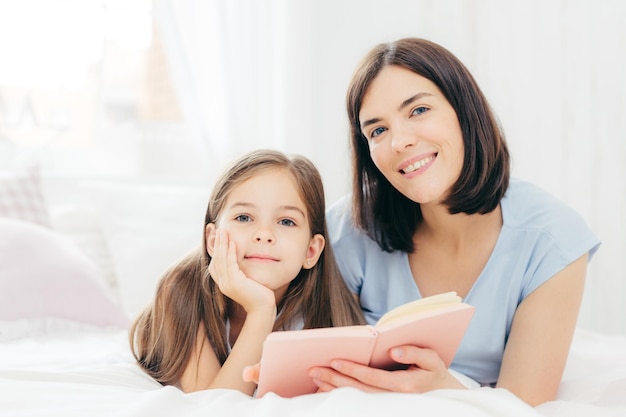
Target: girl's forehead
{"points": [[268, 185], [266, 175]]}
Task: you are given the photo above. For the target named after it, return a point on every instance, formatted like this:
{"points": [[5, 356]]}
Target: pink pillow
{"points": [[44, 274]]}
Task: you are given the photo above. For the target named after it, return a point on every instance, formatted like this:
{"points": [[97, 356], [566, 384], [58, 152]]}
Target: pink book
{"points": [[437, 322]]}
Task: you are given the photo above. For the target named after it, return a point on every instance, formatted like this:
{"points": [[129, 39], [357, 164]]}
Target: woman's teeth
{"points": [[417, 165]]}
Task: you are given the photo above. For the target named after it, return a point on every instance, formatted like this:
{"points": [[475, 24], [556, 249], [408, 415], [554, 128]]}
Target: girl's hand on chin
{"points": [[232, 282]]}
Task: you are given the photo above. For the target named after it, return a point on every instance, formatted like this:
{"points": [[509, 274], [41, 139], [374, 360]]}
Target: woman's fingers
{"points": [[426, 371]]}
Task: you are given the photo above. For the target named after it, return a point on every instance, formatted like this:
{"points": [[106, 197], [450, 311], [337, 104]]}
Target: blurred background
{"points": [[167, 92]]}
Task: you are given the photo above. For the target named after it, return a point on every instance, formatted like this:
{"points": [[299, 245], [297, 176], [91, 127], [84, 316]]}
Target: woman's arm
{"points": [[533, 361], [541, 335]]}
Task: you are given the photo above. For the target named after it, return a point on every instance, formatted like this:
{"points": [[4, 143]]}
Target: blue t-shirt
{"points": [[540, 236]]}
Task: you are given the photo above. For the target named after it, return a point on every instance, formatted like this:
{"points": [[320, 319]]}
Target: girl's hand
{"points": [[426, 372], [251, 373], [232, 282]]}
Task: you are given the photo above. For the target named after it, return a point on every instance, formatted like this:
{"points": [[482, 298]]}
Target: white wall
{"points": [[552, 71]]}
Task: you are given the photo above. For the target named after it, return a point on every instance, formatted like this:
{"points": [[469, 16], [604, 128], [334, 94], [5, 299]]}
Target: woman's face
{"points": [[414, 135]]}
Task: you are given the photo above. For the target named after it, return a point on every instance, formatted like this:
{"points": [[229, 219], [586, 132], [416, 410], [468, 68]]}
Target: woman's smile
{"points": [[418, 166]]}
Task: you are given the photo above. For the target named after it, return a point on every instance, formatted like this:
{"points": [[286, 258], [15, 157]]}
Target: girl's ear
{"points": [[209, 237], [313, 253]]}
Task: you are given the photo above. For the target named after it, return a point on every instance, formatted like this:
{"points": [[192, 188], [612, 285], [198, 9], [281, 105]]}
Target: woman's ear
{"points": [[209, 238], [314, 251]]}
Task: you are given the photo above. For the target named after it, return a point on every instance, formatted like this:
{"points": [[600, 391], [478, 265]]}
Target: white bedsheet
{"points": [[91, 373]]}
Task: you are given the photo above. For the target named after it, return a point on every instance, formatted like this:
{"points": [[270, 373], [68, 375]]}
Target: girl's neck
{"points": [[236, 312], [236, 318]]}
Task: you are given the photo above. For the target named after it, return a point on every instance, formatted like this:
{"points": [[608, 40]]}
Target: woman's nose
{"points": [[402, 138]]}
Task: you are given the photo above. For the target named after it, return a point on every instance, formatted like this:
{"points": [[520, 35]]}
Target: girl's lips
{"points": [[416, 163], [260, 257]]}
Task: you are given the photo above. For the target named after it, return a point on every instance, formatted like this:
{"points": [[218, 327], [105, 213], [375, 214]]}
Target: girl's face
{"points": [[414, 135], [268, 221]]}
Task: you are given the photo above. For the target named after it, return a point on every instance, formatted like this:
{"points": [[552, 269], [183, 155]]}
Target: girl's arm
{"points": [[541, 335], [257, 306], [203, 370]]}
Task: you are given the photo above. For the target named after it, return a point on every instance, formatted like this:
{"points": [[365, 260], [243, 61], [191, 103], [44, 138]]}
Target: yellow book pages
{"points": [[417, 306]]}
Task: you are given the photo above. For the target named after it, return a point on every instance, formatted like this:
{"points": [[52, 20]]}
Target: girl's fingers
{"points": [[251, 373], [231, 280], [219, 262], [231, 258]]}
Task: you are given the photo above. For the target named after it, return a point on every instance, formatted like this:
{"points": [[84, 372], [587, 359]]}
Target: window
{"points": [[83, 83]]}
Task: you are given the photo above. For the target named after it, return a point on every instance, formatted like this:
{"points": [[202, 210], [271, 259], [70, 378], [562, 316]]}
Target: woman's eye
{"points": [[376, 132], [243, 218], [287, 222], [419, 110]]}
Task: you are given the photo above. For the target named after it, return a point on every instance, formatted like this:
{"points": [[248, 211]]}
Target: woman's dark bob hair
{"points": [[379, 209]]}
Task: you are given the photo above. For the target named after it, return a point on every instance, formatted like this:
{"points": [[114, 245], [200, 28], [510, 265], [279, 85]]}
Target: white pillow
{"points": [[147, 228], [45, 275], [21, 196], [81, 224]]}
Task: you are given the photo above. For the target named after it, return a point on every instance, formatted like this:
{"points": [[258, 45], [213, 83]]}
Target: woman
{"points": [[433, 210]]}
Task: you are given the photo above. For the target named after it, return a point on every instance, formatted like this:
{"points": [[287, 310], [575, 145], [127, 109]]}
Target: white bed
{"points": [[69, 285]]}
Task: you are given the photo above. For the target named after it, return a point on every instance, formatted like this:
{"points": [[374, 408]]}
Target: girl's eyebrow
{"points": [[293, 208], [404, 104], [283, 207]]}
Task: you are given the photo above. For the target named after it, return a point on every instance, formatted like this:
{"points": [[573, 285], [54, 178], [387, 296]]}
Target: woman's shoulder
{"points": [[339, 219], [342, 232], [528, 207]]}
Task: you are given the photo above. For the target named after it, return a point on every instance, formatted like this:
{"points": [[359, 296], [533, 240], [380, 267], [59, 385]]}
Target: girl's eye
{"points": [[287, 222], [419, 110], [243, 218], [376, 132]]}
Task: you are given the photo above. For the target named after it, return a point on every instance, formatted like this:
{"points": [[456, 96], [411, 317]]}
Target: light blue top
{"points": [[540, 236]]}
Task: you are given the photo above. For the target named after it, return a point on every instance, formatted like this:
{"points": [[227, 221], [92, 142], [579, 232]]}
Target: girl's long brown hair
{"points": [[164, 334]]}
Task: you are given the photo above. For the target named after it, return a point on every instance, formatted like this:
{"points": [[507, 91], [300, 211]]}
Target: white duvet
{"points": [[90, 372]]}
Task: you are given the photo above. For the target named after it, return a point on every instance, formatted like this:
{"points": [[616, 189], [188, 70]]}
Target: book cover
{"points": [[437, 323]]}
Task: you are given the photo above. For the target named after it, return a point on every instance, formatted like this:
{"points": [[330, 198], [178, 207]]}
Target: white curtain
{"points": [[272, 73]]}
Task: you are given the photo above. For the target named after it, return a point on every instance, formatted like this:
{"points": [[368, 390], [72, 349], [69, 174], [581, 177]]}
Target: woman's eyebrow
{"points": [[404, 104], [369, 122], [411, 99]]}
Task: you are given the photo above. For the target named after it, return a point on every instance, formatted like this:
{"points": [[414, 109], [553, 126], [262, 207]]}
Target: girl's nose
{"points": [[264, 235]]}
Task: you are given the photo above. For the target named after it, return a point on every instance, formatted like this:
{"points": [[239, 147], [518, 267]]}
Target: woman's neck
{"points": [[456, 229]]}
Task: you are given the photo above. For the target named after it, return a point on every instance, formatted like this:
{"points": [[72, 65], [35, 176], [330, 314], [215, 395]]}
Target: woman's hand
{"points": [[426, 372], [232, 282]]}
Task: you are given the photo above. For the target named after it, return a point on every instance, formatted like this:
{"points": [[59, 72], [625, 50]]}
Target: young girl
{"points": [[264, 266]]}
